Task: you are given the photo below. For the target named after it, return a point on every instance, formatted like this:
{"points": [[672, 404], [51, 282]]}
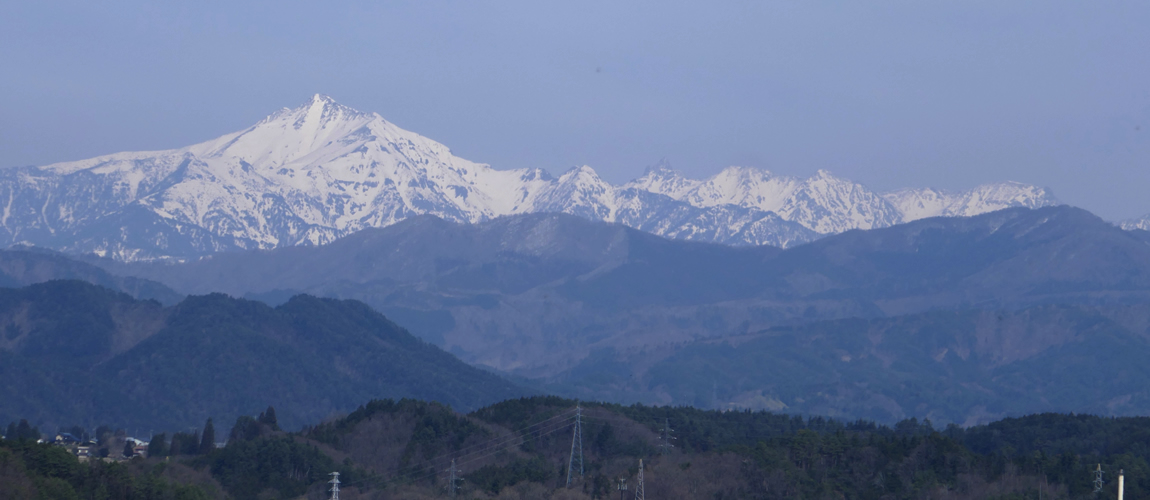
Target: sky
{"points": [[888, 93]]}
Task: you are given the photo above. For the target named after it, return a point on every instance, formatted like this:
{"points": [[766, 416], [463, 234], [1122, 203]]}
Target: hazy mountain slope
{"points": [[1012, 256], [77, 353], [967, 367], [24, 267], [311, 174], [536, 293]]}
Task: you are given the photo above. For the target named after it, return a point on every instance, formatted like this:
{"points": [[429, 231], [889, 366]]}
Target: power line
{"points": [[498, 442], [412, 479], [476, 451]]}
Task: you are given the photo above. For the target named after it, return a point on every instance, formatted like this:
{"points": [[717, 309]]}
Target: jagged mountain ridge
{"points": [[311, 174]]}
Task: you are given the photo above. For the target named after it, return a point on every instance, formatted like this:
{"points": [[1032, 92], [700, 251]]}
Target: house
{"points": [[65, 439]]}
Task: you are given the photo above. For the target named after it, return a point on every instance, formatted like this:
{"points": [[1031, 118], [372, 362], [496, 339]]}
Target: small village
{"points": [[110, 446]]}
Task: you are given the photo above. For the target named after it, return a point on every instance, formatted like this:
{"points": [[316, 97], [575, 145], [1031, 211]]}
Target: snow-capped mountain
{"points": [[917, 204], [827, 204], [311, 174], [1142, 223]]}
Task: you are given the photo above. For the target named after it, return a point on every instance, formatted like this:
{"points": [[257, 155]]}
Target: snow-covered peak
{"points": [[827, 204], [1142, 223], [662, 179], [744, 187], [920, 203], [579, 191], [997, 196], [292, 134]]}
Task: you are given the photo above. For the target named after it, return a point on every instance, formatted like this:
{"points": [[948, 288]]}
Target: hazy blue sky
{"points": [[889, 93]]}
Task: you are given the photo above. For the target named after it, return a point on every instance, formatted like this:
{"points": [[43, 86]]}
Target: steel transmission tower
{"points": [[452, 479], [1098, 480], [576, 446], [665, 438], [639, 495], [334, 485]]}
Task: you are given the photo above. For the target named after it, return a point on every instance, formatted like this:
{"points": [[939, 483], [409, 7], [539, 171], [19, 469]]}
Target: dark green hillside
{"points": [[71, 352], [41, 471], [519, 449]]}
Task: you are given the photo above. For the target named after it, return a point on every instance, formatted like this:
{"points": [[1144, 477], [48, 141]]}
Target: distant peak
{"points": [[325, 104], [660, 169], [745, 172], [581, 171]]}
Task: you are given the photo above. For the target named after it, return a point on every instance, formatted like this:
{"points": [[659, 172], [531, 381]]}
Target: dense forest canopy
{"points": [[520, 448]]}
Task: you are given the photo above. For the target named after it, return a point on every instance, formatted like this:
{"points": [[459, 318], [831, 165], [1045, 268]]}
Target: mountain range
{"points": [[535, 294], [312, 174]]}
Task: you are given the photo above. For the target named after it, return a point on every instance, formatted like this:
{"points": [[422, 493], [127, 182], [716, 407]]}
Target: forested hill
{"points": [[72, 353], [521, 449]]}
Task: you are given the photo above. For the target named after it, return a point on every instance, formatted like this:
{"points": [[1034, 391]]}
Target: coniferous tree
{"points": [[174, 448], [129, 451], [208, 441], [158, 446], [246, 428], [103, 434], [269, 418], [26, 431]]}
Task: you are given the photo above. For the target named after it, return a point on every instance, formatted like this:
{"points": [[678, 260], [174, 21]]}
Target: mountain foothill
{"points": [[324, 257]]}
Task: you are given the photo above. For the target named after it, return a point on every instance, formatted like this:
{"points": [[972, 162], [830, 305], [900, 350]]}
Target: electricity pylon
{"points": [[452, 479], [576, 446], [334, 485], [639, 494], [665, 438], [1098, 480]]}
